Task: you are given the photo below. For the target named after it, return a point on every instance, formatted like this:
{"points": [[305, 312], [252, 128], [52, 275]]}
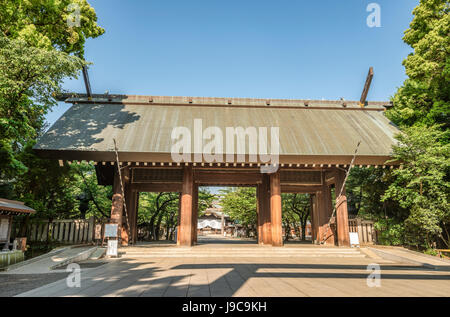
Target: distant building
{"points": [[213, 221]]}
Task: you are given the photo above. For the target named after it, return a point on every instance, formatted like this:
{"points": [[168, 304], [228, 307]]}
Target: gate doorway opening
{"points": [[157, 216], [231, 217], [296, 217], [180, 186]]}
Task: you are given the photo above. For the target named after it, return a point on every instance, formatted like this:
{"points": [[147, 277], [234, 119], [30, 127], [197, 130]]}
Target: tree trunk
{"points": [[303, 230], [158, 226]]}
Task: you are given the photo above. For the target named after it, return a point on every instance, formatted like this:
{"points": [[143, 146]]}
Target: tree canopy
{"points": [[44, 23], [425, 95], [41, 45]]}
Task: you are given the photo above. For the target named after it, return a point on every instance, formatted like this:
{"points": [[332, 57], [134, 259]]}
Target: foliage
{"points": [[43, 23], [422, 184], [390, 232], [240, 204], [46, 187], [158, 212], [29, 79], [410, 205], [365, 187], [36, 44], [97, 199], [296, 213], [425, 95]]}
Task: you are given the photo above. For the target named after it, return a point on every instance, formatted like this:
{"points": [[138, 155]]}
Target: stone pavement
{"points": [[44, 263], [217, 273]]}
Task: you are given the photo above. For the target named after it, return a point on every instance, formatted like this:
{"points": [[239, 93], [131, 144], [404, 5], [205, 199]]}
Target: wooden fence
{"points": [[78, 231], [365, 229], [70, 231]]}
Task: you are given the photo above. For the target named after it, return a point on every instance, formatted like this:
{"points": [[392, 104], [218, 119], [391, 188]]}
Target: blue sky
{"points": [[249, 48]]}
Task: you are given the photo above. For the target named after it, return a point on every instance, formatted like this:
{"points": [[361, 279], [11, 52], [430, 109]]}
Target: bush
{"points": [[389, 232]]}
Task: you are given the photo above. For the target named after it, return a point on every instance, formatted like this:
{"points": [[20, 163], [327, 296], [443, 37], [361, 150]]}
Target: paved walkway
{"points": [[247, 275], [44, 263]]}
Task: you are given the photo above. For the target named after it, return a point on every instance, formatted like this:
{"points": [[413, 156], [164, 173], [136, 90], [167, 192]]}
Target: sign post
{"points": [[111, 232]]}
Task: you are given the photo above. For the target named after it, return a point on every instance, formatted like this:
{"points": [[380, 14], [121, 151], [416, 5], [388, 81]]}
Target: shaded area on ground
{"points": [[13, 284], [264, 277]]}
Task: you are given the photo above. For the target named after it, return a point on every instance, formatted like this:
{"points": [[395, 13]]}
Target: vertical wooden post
{"points": [[135, 238], [194, 213], [275, 209], [259, 213], [131, 200], [326, 210], [126, 180], [264, 218], [178, 219], [117, 202], [314, 222], [320, 219], [343, 235], [186, 237]]}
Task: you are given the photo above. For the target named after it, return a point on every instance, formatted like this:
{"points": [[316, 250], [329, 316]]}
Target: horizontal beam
{"points": [[156, 187], [294, 189], [318, 161], [204, 178]]}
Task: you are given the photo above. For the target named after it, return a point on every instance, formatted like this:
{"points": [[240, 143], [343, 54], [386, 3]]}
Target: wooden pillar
{"points": [[186, 214], [126, 213], [117, 203], [275, 209], [195, 213], [314, 222], [263, 209], [178, 219], [325, 210], [259, 212], [343, 235], [132, 205], [135, 237]]}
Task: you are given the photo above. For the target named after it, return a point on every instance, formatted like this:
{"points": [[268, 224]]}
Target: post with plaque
{"points": [[111, 233]]}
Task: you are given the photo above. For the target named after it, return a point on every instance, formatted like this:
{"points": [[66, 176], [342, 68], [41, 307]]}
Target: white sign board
{"points": [[4, 227], [354, 239], [112, 248], [111, 230]]}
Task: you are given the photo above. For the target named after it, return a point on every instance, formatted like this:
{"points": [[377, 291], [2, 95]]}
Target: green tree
{"points": [[97, 198], [296, 212], [410, 204], [240, 204], [422, 184], [422, 108], [29, 79], [38, 50], [45, 186], [158, 211], [425, 95], [44, 23]]}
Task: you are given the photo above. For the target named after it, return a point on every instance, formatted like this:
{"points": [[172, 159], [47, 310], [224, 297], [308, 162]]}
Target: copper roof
{"points": [[311, 131]]}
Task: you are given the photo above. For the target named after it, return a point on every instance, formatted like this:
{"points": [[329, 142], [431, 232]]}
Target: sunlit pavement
{"points": [[242, 268]]}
